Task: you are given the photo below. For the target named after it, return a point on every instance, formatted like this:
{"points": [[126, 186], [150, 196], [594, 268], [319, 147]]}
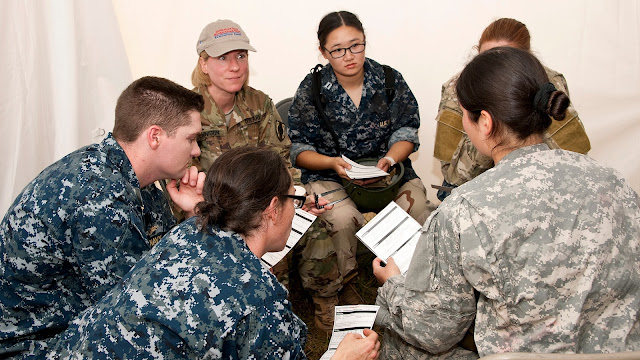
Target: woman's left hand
{"points": [[384, 164], [383, 273], [310, 206]]}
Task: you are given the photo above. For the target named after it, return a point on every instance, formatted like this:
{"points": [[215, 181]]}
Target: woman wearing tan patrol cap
{"points": [[236, 114]]}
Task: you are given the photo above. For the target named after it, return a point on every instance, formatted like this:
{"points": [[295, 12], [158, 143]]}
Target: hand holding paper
{"points": [[382, 273], [392, 233], [359, 171], [352, 319]]}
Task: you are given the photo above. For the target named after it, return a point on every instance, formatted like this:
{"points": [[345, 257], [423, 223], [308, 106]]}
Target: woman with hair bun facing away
{"points": [[548, 239], [460, 160]]}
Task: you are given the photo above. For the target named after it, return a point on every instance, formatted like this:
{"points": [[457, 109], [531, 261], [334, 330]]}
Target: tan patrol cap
{"points": [[222, 36]]}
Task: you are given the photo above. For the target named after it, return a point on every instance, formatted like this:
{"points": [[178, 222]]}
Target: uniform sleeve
{"points": [[404, 114], [433, 306], [275, 136], [304, 123], [271, 331]]}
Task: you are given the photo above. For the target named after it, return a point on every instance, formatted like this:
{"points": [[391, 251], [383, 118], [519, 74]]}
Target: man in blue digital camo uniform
{"points": [[84, 221]]}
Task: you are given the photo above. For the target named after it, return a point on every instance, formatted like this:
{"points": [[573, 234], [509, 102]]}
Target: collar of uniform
{"points": [[116, 156], [373, 79], [230, 242], [524, 151], [116, 159], [211, 112], [241, 104], [214, 115]]}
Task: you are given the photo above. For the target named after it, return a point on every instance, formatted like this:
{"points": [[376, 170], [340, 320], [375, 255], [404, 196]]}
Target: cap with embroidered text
{"points": [[222, 36]]}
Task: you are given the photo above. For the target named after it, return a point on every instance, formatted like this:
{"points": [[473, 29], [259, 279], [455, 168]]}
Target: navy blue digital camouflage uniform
{"points": [[69, 237], [549, 239], [366, 131], [195, 295]]}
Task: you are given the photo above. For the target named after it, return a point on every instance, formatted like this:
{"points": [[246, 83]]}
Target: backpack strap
{"points": [[389, 83], [316, 81]]}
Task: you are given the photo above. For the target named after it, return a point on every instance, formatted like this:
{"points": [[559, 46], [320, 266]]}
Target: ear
{"points": [[154, 134], [321, 49], [272, 211], [485, 123], [203, 65]]}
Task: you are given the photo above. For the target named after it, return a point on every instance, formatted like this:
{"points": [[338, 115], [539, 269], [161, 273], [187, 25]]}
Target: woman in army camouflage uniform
{"points": [[541, 250], [235, 114], [460, 161]]}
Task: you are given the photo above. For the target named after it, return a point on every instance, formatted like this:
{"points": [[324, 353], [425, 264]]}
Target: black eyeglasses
{"points": [[354, 49], [298, 200]]}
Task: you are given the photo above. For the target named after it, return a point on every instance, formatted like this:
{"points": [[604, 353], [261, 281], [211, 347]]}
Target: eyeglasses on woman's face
{"points": [[298, 200], [340, 52]]}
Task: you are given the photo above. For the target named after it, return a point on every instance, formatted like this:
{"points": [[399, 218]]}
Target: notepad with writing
{"points": [[302, 220], [392, 233]]}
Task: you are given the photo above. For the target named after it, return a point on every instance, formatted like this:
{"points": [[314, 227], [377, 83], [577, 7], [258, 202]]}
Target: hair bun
{"points": [[541, 100], [558, 104]]}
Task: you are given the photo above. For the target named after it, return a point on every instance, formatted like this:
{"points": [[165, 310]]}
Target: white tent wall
{"points": [[595, 44], [62, 67]]}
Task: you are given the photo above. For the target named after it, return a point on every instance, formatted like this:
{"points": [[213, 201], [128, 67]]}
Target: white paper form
{"points": [[350, 319], [392, 233], [302, 220], [359, 171]]}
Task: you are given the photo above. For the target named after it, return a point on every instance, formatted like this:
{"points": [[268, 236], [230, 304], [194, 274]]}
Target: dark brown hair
{"points": [[153, 101], [506, 29], [240, 185], [335, 20], [504, 81]]}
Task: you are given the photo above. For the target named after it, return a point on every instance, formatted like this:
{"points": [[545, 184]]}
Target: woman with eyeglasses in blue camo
{"points": [[370, 113]]}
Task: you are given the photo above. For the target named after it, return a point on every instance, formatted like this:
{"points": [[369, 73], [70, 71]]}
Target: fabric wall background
{"points": [[65, 62], [62, 67]]}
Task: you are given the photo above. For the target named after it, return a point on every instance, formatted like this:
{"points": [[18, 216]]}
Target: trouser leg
{"points": [[345, 220], [412, 197]]}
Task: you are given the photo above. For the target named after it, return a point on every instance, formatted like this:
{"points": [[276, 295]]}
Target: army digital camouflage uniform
{"points": [[550, 241], [196, 295], [256, 122], [461, 161], [69, 237], [365, 131]]}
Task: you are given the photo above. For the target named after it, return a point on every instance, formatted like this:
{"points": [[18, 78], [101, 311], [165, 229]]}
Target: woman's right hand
{"points": [[340, 166], [354, 346]]}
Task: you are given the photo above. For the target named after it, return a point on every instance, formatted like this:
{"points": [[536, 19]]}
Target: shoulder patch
{"points": [[280, 130]]}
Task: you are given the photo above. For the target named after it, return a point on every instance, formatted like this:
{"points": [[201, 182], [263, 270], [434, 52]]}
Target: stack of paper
{"points": [[350, 319], [392, 233], [359, 171], [301, 223]]}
